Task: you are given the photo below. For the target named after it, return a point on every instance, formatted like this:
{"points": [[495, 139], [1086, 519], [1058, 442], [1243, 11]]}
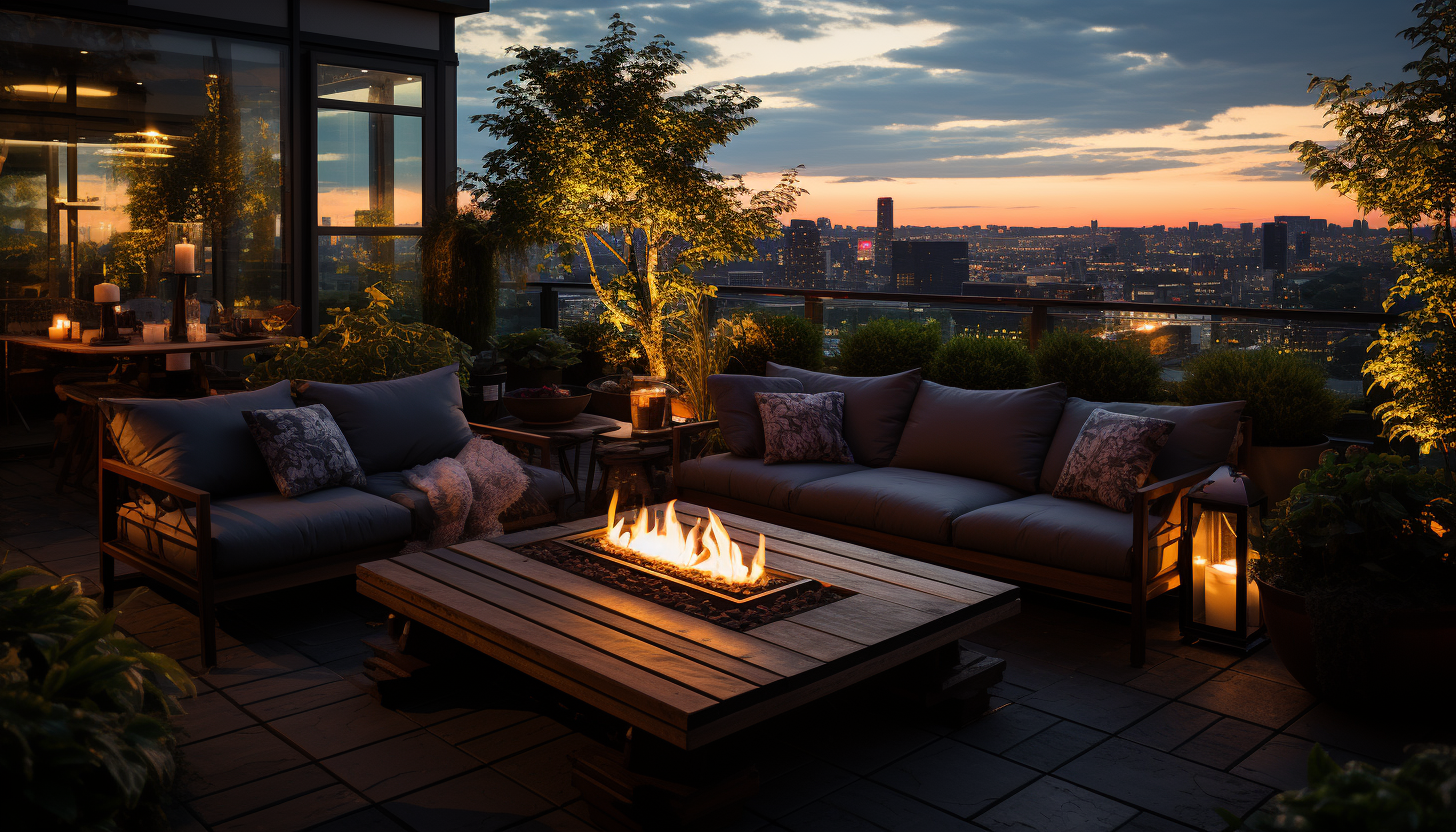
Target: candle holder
{"points": [[186, 248], [650, 408], [1222, 524]]}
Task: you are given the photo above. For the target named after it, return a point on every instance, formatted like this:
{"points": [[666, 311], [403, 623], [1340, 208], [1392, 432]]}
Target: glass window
{"points": [[369, 169], [107, 133], [342, 83], [349, 264]]}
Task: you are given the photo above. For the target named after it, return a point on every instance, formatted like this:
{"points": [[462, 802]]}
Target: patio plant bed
{"points": [[687, 686]]}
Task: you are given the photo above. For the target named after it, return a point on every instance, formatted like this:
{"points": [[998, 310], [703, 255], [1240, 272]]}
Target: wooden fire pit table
{"points": [[685, 685]]}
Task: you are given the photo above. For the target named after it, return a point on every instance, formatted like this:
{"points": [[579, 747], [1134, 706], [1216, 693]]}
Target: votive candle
{"points": [[154, 333], [59, 330], [1221, 594]]}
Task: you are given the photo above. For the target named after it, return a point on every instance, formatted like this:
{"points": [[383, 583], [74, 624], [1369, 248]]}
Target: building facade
{"points": [[803, 261], [884, 237]]}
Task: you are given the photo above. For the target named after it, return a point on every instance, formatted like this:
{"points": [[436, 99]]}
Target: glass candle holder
{"points": [[154, 333], [649, 407], [196, 332], [185, 248]]}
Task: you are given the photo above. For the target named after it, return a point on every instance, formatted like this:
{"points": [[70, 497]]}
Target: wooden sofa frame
{"points": [[1136, 593], [206, 589]]}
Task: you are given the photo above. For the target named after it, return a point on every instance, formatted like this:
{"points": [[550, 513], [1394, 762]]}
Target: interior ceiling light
{"points": [[54, 90], [148, 144]]}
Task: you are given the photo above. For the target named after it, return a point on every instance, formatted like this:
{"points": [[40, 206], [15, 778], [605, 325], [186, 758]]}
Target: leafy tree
{"points": [[1397, 155], [604, 142]]}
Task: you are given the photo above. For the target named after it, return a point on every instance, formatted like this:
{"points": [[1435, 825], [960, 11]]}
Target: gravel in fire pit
{"points": [[741, 617]]}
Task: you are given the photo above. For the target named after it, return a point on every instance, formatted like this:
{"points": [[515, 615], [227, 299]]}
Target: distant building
{"points": [[1216, 231], [1192, 228], [1094, 225], [803, 263], [936, 267], [745, 279], [1046, 291], [1130, 244], [884, 237], [1246, 232], [824, 226], [1301, 247], [1276, 247]]}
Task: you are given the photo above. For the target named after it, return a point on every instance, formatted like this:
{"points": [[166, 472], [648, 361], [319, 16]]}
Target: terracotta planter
{"points": [[1276, 467], [1414, 652]]}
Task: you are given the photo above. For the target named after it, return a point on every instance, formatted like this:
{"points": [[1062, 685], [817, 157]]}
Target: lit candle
{"points": [[108, 293], [154, 333], [60, 329], [1221, 594], [183, 258], [1199, 564]]}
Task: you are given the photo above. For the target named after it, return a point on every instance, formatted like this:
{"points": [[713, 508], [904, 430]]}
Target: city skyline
{"points": [[1043, 113]]}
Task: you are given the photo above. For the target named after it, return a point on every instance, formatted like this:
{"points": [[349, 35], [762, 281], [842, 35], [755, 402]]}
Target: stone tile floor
{"points": [[283, 736]]}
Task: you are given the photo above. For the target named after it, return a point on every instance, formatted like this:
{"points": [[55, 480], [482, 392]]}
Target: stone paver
{"points": [[1050, 804], [481, 801], [1095, 703], [1251, 698], [956, 777]]}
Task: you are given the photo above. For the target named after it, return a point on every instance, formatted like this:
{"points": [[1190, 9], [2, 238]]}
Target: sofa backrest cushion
{"points": [[875, 408], [738, 416], [397, 424], [999, 436], [1202, 438], [203, 443]]}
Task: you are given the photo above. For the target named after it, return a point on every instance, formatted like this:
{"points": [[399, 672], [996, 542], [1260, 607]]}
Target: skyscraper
{"points": [[1301, 247], [931, 266], [884, 237], [1246, 231], [1094, 225], [1276, 247], [803, 263], [824, 226]]}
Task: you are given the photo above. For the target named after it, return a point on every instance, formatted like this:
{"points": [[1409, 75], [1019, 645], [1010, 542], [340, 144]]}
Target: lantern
{"points": [[1222, 525], [649, 403]]}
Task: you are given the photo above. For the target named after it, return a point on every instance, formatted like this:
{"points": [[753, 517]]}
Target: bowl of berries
{"points": [[549, 405]]}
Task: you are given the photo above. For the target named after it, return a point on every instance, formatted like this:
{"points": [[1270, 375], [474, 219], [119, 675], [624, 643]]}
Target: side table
{"points": [[561, 438], [628, 466]]}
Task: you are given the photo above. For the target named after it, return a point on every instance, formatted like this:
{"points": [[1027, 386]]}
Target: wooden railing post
{"points": [[549, 313], [814, 309], [1038, 326]]}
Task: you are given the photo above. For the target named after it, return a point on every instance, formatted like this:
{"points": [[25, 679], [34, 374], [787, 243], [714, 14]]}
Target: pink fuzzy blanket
{"points": [[468, 493]]}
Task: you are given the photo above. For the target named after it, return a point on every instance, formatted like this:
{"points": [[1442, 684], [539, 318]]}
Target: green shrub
{"points": [[885, 345], [981, 364], [84, 737], [364, 346], [761, 337], [595, 341], [1098, 369], [537, 349], [1286, 394], [1413, 797]]}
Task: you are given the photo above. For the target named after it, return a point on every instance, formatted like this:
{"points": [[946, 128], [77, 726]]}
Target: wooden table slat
{"points": [[806, 640], [678, 670], [864, 553], [865, 619], [668, 641], [739, 645], [608, 674]]}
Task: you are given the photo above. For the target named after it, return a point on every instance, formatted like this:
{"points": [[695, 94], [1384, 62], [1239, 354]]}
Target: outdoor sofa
{"points": [[187, 500], [963, 478]]}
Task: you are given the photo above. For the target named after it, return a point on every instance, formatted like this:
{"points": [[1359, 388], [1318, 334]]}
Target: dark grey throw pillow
{"points": [[304, 449], [737, 411], [803, 427], [1111, 458], [397, 424], [875, 407]]}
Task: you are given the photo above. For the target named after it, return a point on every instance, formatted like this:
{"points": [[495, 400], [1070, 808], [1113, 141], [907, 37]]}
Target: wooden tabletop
{"points": [[583, 427], [681, 678], [136, 347]]}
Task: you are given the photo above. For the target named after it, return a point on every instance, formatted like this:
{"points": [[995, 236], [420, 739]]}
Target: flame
{"points": [[706, 548]]}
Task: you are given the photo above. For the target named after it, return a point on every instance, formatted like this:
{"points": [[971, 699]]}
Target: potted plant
{"points": [[1358, 581], [1097, 369], [548, 405], [599, 152], [1286, 399], [535, 357]]}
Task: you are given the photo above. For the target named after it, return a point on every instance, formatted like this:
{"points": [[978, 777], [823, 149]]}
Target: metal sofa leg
{"points": [[207, 622]]}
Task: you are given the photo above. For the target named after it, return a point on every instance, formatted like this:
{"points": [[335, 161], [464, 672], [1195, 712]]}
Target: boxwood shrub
{"points": [[1098, 369], [981, 364], [761, 337], [1286, 393], [885, 345]]}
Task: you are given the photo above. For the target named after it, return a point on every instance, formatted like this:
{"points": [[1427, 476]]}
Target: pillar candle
{"points": [[1199, 565], [1221, 594], [108, 293], [183, 258], [59, 330], [154, 333]]}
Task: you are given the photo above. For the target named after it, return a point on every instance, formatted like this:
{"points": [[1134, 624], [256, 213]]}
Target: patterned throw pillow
{"points": [[803, 427], [304, 449], [1111, 458]]}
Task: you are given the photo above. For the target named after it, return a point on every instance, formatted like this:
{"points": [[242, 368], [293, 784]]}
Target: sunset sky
{"points": [[1014, 112]]}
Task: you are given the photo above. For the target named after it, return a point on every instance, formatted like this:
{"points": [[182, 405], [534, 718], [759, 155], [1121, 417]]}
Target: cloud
{"points": [[1275, 172], [1238, 136], [943, 207], [863, 179]]}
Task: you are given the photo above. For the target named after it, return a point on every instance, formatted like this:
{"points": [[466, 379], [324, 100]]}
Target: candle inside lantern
{"points": [[107, 293], [649, 406], [1221, 594], [60, 329], [184, 258], [1200, 564]]}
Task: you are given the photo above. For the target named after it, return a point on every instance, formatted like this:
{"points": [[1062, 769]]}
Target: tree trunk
{"points": [[654, 338]]}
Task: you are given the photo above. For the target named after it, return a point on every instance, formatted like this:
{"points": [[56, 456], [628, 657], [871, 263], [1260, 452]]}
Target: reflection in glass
{"points": [[369, 169], [347, 265], [110, 133], [372, 86]]}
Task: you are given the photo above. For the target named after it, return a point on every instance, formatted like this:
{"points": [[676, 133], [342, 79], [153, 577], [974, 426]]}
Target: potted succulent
{"points": [[1286, 399], [1357, 578], [535, 357]]}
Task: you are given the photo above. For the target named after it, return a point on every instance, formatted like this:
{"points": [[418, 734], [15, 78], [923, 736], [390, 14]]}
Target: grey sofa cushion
{"points": [[203, 443], [996, 435], [749, 480], [543, 493], [398, 424], [738, 416], [899, 501], [1202, 438], [874, 408], [261, 531], [1052, 531]]}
